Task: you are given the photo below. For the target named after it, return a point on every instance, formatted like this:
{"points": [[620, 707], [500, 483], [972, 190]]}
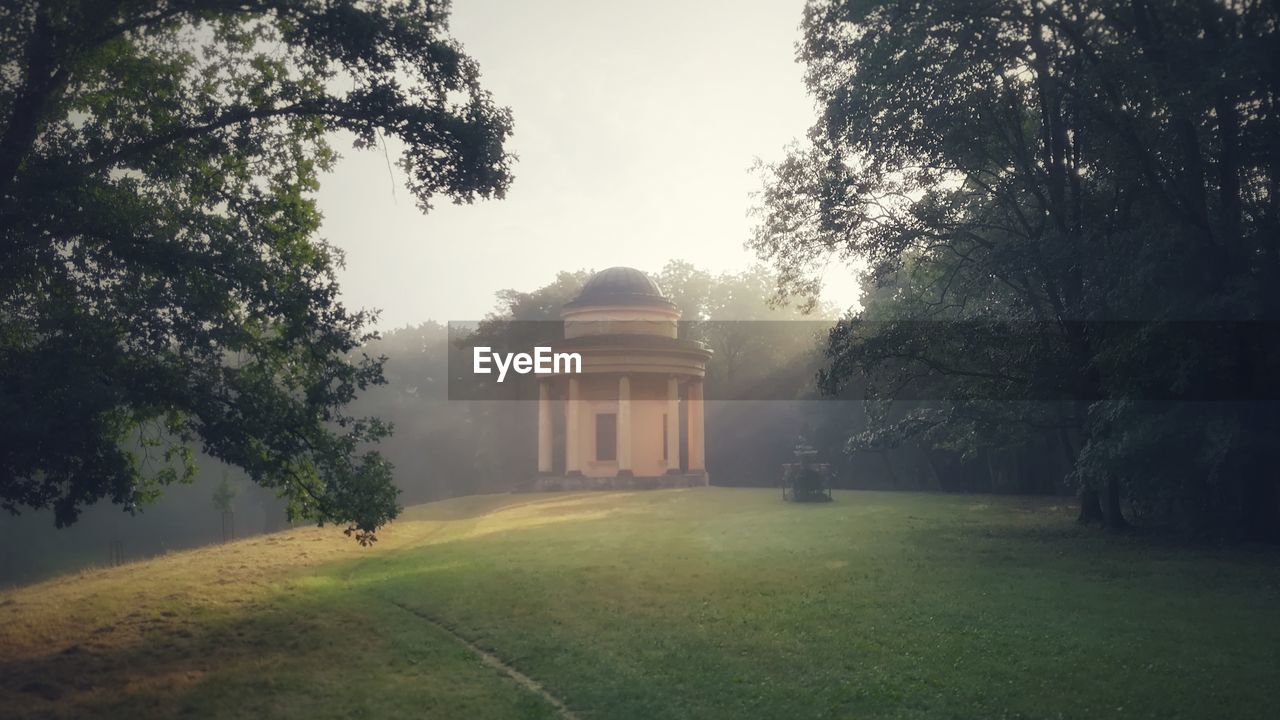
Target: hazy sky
{"points": [[635, 126]]}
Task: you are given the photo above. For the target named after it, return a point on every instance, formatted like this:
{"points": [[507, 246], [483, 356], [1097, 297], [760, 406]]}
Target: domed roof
{"points": [[620, 286]]}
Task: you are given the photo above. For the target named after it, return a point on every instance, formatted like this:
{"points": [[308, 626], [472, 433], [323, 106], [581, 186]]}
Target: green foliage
{"points": [[1065, 165], [158, 163], [224, 494]]}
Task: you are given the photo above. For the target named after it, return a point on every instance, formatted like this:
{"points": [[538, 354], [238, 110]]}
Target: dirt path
{"points": [[494, 661]]}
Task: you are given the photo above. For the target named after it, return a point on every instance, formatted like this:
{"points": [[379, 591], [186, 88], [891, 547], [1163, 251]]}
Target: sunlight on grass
{"points": [[691, 603]]}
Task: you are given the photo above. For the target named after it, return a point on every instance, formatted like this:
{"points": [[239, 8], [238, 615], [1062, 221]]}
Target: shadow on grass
{"points": [[317, 650], [1050, 543]]}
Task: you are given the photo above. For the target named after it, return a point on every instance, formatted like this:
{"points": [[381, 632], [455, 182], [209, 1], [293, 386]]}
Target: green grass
{"points": [[710, 603]]}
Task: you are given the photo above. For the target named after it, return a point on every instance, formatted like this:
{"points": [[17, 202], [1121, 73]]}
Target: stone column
{"points": [[673, 426], [697, 446], [545, 430], [572, 442], [624, 426]]}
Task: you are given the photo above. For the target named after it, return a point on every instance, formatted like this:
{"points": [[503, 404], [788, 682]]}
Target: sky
{"points": [[636, 125]]}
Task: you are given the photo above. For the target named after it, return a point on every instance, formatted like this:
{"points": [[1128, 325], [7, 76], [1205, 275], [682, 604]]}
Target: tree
{"points": [[162, 279], [224, 494], [1068, 165]]}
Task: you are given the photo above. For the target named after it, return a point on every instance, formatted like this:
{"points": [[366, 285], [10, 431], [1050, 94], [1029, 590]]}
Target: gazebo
{"points": [[633, 418]]}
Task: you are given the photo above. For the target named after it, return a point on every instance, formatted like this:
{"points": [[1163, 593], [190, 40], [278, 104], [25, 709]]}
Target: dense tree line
{"points": [[1102, 171]]}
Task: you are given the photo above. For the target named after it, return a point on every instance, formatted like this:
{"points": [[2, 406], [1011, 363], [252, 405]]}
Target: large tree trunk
{"points": [[46, 75], [1090, 507], [1114, 518]]}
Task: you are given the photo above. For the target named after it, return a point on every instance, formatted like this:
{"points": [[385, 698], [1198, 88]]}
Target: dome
{"points": [[620, 286]]}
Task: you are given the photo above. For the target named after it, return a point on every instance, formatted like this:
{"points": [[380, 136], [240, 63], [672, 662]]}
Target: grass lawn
{"points": [[709, 603]]}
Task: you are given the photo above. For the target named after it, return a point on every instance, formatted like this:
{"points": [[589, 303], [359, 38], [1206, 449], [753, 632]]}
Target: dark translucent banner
{"points": [[904, 360]]}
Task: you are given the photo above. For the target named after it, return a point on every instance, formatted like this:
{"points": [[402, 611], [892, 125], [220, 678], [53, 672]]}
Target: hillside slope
{"points": [[695, 603]]}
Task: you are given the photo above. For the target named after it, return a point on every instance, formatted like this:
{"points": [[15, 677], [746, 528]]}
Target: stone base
{"points": [[545, 483]]}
